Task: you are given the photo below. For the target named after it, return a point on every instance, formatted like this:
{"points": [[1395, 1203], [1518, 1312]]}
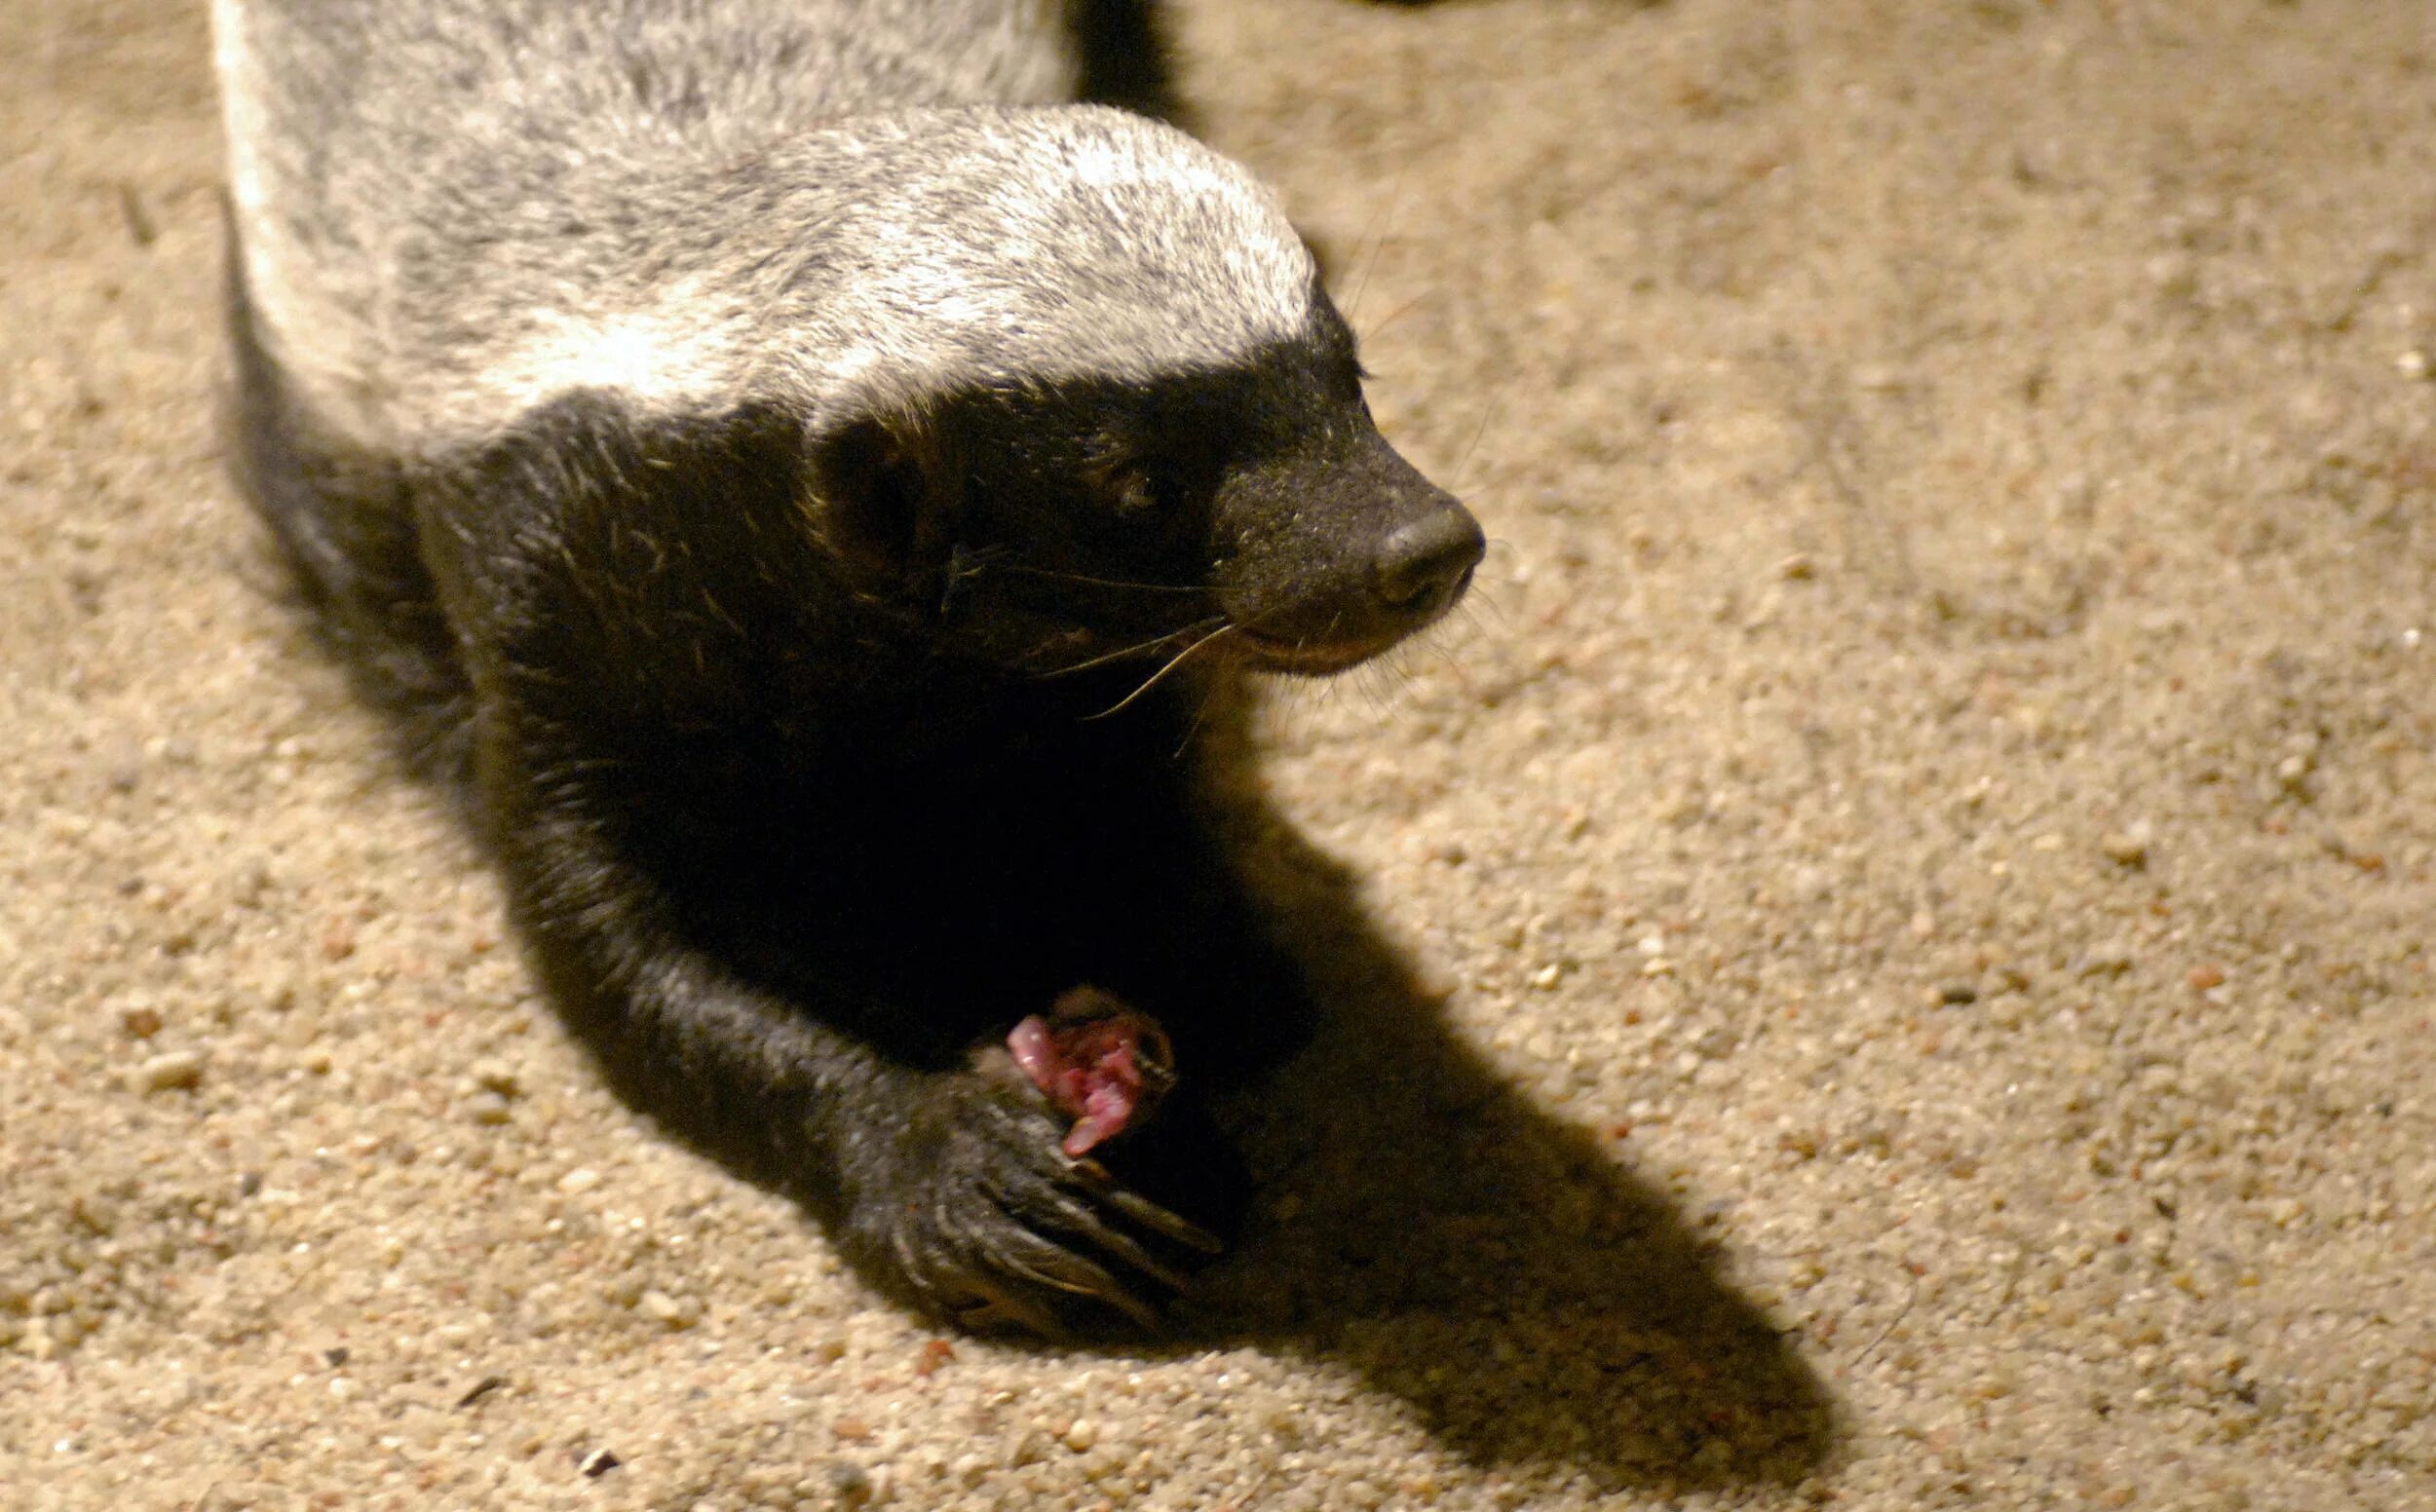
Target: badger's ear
{"points": [[884, 496]]}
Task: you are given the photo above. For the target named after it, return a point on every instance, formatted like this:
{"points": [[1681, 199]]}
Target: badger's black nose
{"points": [[1424, 563]]}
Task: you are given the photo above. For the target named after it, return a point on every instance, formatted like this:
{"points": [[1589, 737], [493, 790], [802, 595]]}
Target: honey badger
{"points": [[767, 456]]}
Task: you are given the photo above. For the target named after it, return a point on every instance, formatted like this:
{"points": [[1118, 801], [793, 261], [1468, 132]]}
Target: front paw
{"points": [[993, 1225]]}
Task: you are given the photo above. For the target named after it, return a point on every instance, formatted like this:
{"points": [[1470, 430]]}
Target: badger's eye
{"points": [[1131, 491]]}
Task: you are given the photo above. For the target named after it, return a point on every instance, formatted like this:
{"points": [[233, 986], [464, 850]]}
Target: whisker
{"points": [[1396, 314], [1386, 222], [1200, 712], [1137, 648], [1483, 600], [1017, 569], [1486, 415], [967, 560], [1159, 676]]}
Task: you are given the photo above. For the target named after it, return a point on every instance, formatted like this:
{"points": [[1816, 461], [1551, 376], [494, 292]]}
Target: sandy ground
{"points": [[1896, 970]]}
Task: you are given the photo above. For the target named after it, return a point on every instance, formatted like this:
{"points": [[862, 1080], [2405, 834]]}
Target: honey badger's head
{"points": [[1124, 418]]}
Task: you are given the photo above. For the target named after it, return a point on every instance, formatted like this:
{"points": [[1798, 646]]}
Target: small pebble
{"points": [[598, 1463], [850, 1484], [2127, 849], [1956, 995], [488, 1107], [2109, 960], [177, 1070], [673, 1312], [480, 1389]]}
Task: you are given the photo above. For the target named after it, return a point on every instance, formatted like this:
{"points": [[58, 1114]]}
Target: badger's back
{"points": [[439, 197]]}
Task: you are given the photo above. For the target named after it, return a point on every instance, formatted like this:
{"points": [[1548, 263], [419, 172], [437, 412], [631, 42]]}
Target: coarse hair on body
{"points": [[872, 207], [801, 475]]}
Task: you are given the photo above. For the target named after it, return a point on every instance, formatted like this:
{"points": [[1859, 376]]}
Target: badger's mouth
{"points": [[1309, 658]]}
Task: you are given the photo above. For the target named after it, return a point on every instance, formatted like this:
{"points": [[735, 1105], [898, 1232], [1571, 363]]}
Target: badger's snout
{"points": [[1339, 553]]}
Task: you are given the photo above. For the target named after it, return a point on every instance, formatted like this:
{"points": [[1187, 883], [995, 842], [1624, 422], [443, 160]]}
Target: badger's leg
{"points": [[952, 1186], [727, 930], [951, 1183], [1124, 57]]}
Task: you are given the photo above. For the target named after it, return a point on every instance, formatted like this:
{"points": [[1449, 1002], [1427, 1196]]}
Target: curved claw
{"points": [[1150, 1215], [1090, 1227], [1027, 1255], [1089, 1212], [990, 1309]]}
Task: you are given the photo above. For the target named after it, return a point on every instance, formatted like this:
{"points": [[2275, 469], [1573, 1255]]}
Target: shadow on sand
{"points": [[1544, 1313]]}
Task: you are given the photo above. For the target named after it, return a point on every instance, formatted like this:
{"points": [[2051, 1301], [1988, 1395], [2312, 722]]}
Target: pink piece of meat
{"points": [[1097, 1060]]}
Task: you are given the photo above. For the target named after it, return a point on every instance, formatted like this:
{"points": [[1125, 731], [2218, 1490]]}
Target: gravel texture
{"points": [[1883, 964]]}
